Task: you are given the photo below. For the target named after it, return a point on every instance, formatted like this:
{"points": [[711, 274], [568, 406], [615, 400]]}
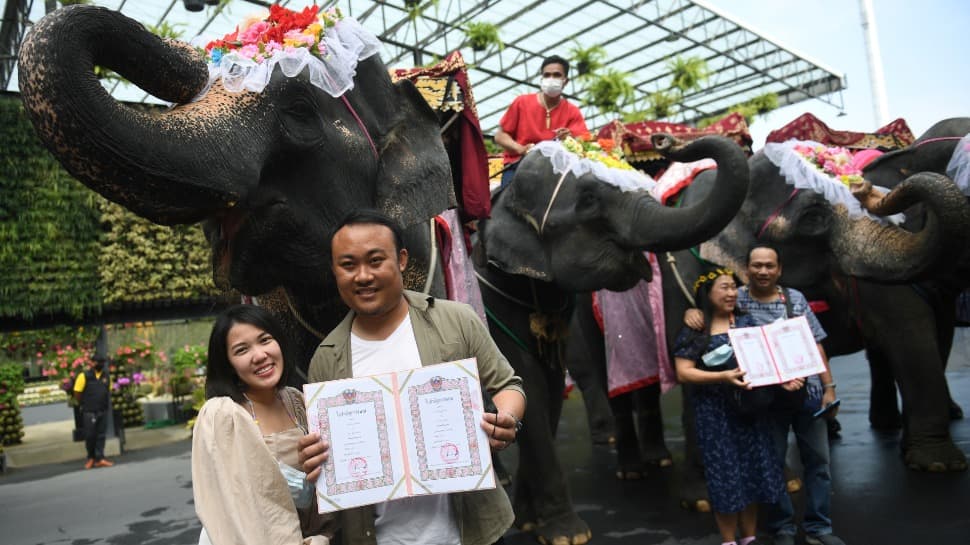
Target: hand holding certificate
{"points": [[400, 434], [777, 352]]}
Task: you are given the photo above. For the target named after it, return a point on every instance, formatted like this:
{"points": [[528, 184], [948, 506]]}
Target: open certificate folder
{"points": [[400, 434], [777, 352]]}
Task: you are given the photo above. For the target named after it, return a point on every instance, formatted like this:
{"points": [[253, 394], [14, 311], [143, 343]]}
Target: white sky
{"points": [[927, 71]]}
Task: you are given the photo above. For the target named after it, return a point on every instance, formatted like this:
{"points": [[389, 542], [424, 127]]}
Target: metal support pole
{"points": [[880, 104]]}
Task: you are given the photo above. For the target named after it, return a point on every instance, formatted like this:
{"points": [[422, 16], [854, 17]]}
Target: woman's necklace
{"points": [[252, 411]]}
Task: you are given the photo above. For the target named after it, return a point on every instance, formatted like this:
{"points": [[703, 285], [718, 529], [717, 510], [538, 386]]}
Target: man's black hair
{"points": [[759, 245], [365, 216], [555, 59], [221, 377]]}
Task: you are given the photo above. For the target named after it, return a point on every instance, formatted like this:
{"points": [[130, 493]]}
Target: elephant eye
{"points": [[587, 202]]}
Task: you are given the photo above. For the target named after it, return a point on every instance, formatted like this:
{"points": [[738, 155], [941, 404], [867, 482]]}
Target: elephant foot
{"points": [[525, 518], [657, 455], [936, 458], [694, 495], [603, 437], [632, 472], [956, 413], [700, 506], [567, 529]]}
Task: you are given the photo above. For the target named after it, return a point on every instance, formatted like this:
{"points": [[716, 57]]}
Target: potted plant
{"points": [[587, 59], [482, 35], [609, 91], [687, 74]]}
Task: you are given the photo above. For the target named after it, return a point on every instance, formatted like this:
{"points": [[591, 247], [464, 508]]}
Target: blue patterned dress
{"points": [[739, 458]]}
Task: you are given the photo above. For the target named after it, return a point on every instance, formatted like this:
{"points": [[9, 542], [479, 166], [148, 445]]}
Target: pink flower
{"points": [[252, 34], [249, 51]]}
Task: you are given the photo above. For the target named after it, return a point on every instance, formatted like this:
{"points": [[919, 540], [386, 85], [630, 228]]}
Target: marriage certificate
{"points": [[777, 352], [395, 435]]}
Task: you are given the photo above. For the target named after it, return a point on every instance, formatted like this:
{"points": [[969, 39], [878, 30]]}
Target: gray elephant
{"points": [[268, 173], [861, 269], [552, 235]]}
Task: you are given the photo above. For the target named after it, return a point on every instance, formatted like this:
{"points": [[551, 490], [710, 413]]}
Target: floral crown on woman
{"points": [[326, 41], [713, 275]]}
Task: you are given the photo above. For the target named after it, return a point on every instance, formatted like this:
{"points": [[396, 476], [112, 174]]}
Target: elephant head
{"points": [[814, 236], [270, 173], [585, 234], [929, 153]]}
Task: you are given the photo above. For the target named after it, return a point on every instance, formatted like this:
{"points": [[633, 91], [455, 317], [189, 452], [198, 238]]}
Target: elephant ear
{"points": [[508, 242], [414, 177]]}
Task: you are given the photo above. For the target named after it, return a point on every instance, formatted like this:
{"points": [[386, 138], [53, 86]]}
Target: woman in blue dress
{"points": [[739, 459]]}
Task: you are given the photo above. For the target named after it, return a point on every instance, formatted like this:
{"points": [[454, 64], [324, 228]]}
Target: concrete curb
{"points": [[52, 443]]}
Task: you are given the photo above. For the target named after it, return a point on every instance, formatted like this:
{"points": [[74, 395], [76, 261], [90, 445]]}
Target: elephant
{"points": [[549, 238], [268, 173], [862, 271]]}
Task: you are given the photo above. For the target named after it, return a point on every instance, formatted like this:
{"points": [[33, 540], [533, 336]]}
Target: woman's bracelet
{"points": [[829, 385]]}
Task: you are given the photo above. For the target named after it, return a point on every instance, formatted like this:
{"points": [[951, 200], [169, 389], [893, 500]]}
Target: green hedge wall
{"points": [[49, 228], [66, 251]]}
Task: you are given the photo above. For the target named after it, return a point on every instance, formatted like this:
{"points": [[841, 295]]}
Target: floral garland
{"points": [[326, 43], [261, 36], [603, 150], [835, 162]]}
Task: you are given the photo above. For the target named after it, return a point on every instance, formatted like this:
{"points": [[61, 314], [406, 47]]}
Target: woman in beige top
{"points": [[250, 424]]}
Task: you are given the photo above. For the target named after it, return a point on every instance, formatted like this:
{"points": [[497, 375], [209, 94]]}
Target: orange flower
{"points": [[584, 137], [607, 144]]}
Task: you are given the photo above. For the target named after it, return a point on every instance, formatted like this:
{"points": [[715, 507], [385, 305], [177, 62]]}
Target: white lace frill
{"points": [[800, 173], [563, 160], [959, 167], [346, 43]]}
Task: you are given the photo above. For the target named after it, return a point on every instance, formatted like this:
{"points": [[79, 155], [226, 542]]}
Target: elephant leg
{"points": [[586, 361], [542, 501], [907, 335], [945, 330], [650, 426], [883, 407], [693, 492], [628, 463]]}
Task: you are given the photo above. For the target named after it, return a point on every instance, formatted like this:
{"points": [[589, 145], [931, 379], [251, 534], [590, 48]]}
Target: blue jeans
{"points": [[812, 438], [509, 174]]}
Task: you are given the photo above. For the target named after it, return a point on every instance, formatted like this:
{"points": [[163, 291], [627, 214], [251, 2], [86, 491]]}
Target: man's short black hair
{"points": [[765, 245], [365, 216], [555, 59]]}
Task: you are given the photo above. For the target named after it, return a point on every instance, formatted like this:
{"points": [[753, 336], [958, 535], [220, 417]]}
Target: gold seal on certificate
{"points": [[395, 435]]}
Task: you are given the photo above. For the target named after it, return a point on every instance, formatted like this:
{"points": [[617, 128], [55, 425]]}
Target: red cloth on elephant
{"points": [[635, 137], [808, 127], [472, 189]]}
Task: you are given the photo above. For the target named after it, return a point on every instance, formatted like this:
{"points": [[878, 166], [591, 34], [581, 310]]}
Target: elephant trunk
{"points": [[868, 249], [649, 225], [156, 165]]}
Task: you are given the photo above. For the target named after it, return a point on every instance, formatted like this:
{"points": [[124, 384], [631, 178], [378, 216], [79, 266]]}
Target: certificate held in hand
{"points": [[395, 435], [777, 352]]}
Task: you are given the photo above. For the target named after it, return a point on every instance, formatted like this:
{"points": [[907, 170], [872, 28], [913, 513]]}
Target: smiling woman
{"points": [[245, 439]]}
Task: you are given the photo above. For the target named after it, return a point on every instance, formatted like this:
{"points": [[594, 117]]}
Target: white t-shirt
{"points": [[420, 519]]}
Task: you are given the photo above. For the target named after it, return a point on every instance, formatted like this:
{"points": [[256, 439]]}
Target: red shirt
{"points": [[525, 122]]}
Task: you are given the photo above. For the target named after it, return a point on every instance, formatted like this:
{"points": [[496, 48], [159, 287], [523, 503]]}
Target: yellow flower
{"points": [[313, 30]]}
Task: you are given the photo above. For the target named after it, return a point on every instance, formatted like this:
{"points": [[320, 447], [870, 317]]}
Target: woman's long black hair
{"points": [[221, 378]]}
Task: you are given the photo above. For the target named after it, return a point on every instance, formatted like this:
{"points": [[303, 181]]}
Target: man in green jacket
{"points": [[391, 329]]}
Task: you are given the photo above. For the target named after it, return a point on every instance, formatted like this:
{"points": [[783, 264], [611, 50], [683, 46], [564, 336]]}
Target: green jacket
{"points": [[444, 331]]}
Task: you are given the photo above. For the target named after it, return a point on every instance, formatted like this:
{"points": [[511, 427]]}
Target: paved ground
{"points": [[147, 499]]}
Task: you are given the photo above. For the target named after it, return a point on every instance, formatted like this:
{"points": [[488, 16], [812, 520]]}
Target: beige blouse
{"points": [[240, 495]]}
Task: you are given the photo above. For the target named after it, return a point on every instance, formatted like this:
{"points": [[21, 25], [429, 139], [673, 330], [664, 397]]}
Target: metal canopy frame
{"points": [[640, 37]]}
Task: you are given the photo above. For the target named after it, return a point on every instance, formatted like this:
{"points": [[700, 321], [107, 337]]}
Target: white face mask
{"points": [[551, 86]]}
